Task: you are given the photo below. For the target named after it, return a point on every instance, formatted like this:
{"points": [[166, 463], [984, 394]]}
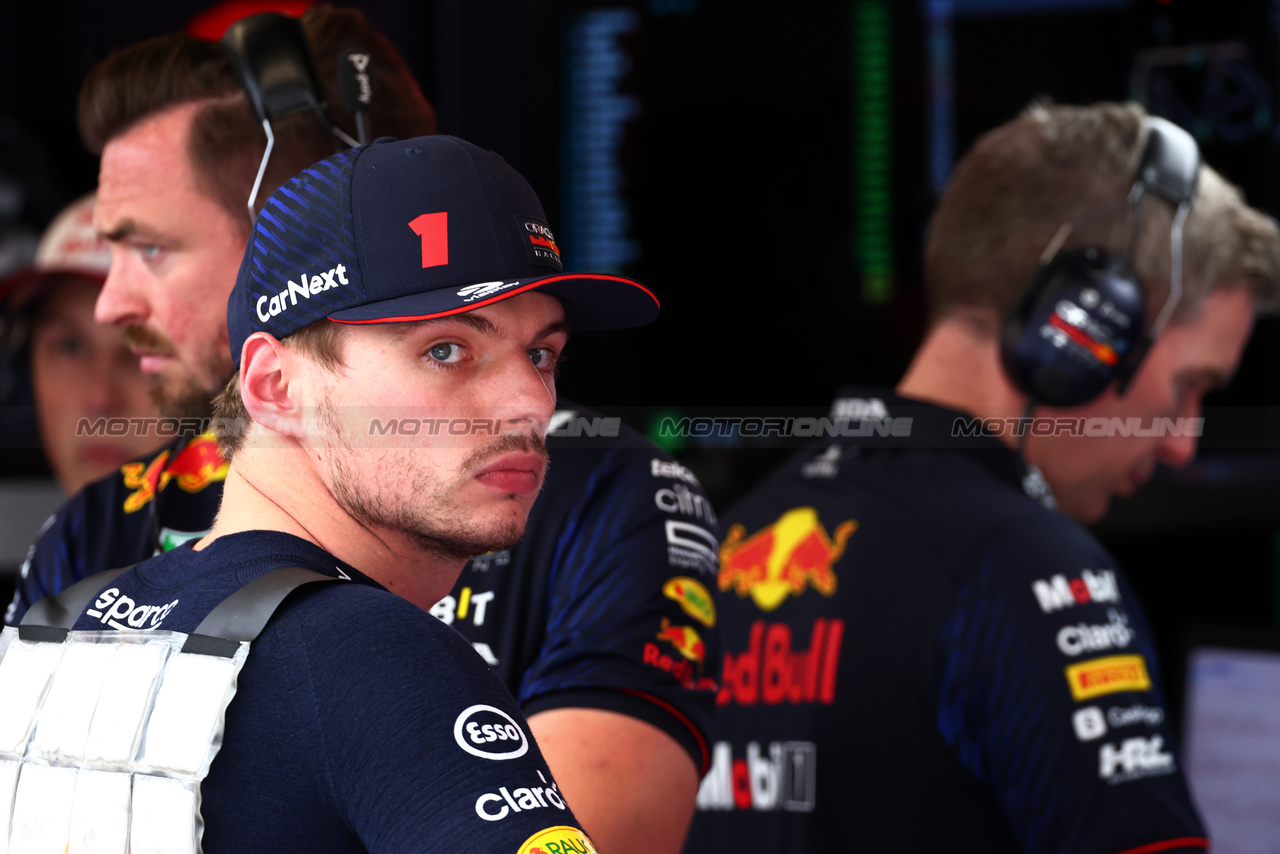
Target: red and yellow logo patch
{"points": [[195, 467], [558, 840], [693, 597], [1108, 675], [685, 639], [784, 559]]}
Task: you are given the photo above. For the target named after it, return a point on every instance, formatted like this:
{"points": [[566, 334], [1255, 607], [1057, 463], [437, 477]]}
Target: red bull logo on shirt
{"points": [[195, 467], [686, 667], [784, 559], [771, 670], [685, 639]]}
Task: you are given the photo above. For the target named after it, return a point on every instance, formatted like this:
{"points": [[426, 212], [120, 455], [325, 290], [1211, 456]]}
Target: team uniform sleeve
{"points": [[630, 621], [422, 745], [1050, 693], [54, 561]]}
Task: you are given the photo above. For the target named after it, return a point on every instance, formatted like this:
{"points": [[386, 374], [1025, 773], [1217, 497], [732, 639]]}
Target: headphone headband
{"points": [[270, 56], [1170, 165]]}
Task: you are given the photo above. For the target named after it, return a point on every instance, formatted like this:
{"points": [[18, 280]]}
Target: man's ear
{"points": [[268, 387]]}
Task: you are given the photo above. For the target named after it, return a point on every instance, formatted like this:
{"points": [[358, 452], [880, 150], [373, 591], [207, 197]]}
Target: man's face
{"points": [[1187, 360], [174, 257], [433, 431]]}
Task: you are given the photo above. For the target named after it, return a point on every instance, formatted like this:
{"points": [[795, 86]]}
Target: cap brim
{"points": [[28, 277], [592, 301]]}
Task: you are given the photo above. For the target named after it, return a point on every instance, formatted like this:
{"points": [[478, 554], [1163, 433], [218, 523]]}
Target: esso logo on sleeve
{"points": [[490, 733]]}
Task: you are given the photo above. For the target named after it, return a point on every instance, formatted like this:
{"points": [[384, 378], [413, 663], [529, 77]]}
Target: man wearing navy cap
{"points": [[396, 282], [598, 622]]}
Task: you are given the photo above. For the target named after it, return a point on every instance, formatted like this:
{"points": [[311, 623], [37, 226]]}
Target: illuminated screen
{"points": [[1232, 745]]}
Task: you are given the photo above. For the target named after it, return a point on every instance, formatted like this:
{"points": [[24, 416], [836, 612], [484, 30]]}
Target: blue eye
{"points": [[446, 353], [543, 358]]}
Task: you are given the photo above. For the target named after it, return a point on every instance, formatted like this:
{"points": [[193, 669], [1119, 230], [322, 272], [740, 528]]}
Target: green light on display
{"points": [[666, 439], [872, 143]]}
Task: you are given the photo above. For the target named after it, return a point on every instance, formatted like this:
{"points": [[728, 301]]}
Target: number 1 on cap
{"points": [[433, 228]]}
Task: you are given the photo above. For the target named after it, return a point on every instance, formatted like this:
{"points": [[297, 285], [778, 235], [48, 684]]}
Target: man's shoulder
{"points": [[954, 509]]}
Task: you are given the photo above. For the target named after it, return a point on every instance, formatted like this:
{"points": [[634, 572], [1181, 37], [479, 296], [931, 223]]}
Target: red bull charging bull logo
{"points": [[783, 559], [685, 639], [195, 467]]}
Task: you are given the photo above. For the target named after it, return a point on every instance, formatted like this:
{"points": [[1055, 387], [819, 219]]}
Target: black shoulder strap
{"points": [[53, 616], [244, 614], [240, 617]]}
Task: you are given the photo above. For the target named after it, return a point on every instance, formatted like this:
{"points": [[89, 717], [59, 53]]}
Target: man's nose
{"points": [[120, 303]]}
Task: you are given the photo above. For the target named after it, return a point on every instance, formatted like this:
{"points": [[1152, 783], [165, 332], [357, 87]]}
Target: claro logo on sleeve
{"points": [[495, 806]]}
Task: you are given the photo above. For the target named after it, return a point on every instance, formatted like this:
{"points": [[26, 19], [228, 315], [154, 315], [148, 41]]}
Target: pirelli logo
{"points": [[1099, 676]]}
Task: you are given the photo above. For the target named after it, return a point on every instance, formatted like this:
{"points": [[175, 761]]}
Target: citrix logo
{"points": [[301, 288]]}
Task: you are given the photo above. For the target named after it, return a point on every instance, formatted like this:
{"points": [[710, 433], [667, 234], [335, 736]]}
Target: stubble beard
{"points": [[183, 398], [180, 396], [432, 518]]}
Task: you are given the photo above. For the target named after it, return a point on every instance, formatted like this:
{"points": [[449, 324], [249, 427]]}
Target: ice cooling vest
{"points": [[106, 735]]}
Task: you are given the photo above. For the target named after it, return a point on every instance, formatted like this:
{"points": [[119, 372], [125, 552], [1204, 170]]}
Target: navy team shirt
{"points": [[605, 603], [346, 731], [921, 656]]}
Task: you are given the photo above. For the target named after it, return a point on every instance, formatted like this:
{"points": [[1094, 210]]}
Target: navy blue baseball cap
{"points": [[411, 230]]}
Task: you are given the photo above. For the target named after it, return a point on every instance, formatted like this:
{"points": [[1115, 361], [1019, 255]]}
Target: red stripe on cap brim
{"points": [[1169, 844], [503, 296]]}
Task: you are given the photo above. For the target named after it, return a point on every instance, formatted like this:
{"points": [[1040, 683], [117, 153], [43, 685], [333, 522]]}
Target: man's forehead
{"points": [[147, 162], [543, 315]]}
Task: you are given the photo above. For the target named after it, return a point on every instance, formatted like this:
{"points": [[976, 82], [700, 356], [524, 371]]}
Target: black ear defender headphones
{"points": [[1080, 325], [269, 54]]}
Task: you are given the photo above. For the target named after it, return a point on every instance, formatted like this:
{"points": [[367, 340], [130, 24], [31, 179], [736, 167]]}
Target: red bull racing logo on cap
{"points": [[196, 466], [783, 559], [541, 244]]}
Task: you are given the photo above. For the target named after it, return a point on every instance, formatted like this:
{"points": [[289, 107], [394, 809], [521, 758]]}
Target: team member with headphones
{"points": [[925, 649]]}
